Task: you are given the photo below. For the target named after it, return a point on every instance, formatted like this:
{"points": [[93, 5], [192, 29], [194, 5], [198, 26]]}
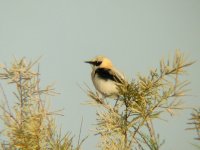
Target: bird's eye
{"points": [[97, 63]]}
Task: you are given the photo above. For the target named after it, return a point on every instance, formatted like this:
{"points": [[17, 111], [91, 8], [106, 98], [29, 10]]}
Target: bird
{"points": [[105, 77]]}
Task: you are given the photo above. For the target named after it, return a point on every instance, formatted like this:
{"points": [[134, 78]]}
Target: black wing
{"points": [[107, 74]]}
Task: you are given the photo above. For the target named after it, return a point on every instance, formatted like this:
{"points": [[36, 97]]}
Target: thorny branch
{"points": [[30, 125], [141, 101]]}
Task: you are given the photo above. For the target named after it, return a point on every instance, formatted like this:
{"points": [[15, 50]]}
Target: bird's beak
{"points": [[89, 62]]}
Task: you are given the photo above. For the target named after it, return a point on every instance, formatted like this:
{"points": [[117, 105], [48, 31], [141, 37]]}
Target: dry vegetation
{"points": [[28, 124], [122, 124], [128, 123], [195, 124]]}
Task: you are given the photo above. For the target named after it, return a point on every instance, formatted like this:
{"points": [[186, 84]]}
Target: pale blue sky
{"points": [[133, 34]]}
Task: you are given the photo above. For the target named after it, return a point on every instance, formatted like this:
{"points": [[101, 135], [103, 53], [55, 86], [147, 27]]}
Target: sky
{"points": [[134, 34]]}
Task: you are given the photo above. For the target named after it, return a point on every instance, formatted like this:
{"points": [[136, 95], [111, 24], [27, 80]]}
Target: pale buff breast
{"points": [[107, 88]]}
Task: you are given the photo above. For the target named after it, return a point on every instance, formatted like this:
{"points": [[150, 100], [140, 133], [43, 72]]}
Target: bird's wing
{"points": [[108, 74]]}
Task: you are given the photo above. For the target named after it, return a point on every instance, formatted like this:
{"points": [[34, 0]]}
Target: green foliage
{"points": [[29, 125], [128, 123]]}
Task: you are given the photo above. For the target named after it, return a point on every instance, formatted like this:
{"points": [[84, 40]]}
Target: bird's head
{"points": [[100, 62]]}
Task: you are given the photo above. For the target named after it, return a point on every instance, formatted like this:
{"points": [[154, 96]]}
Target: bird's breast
{"points": [[106, 87]]}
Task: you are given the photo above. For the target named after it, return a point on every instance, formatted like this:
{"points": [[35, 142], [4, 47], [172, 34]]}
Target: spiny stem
{"points": [[151, 131], [21, 97], [126, 124]]}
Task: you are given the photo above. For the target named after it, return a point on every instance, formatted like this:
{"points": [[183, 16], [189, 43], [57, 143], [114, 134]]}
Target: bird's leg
{"points": [[116, 101], [103, 99]]}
